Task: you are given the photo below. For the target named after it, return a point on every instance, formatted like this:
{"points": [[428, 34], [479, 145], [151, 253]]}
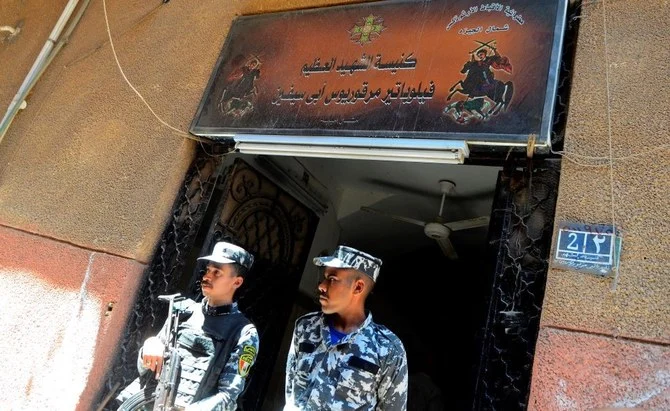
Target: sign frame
{"points": [[589, 248], [334, 136]]}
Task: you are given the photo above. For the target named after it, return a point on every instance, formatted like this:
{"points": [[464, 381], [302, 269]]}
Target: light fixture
{"points": [[384, 149]]}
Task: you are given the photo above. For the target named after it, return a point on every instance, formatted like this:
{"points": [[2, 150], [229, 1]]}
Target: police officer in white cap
{"points": [[216, 342], [339, 358]]}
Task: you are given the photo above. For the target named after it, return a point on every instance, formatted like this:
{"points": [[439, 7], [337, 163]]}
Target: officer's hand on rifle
{"points": [[152, 355]]}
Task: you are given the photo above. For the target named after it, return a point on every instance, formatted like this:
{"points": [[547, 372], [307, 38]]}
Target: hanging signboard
{"points": [[462, 70]]}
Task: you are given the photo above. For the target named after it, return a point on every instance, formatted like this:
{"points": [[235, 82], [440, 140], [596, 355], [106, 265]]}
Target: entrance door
{"points": [[261, 217]]}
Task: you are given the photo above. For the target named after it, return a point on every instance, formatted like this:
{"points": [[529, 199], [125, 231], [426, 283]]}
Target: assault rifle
{"points": [[166, 389]]}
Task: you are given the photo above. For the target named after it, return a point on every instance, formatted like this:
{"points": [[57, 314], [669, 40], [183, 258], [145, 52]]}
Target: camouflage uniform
{"points": [[366, 370], [196, 349], [196, 346]]}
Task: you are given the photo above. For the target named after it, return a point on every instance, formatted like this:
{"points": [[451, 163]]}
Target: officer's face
{"points": [[219, 283], [336, 289]]}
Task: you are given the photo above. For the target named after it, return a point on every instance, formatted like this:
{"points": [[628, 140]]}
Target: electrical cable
{"points": [[609, 138], [123, 74]]}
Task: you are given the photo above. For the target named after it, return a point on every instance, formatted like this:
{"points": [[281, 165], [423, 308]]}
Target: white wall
{"points": [[50, 360]]}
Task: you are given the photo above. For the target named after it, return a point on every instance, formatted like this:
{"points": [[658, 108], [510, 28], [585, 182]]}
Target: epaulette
{"points": [[386, 333], [308, 315]]}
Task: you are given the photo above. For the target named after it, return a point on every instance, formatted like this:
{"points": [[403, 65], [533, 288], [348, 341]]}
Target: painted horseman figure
{"points": [[480, 71], [480, 83], [237, 97]]}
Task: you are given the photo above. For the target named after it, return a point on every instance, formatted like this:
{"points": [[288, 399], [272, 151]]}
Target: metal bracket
{"points": [[13, 31], [530, 148]]}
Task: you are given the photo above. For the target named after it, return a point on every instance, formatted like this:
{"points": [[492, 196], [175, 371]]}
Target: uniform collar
{"points": [[220, 310], [325, 330]]}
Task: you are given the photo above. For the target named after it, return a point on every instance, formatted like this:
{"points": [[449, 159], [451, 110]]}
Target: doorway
{"points": [[469, 324], [421, 293]]}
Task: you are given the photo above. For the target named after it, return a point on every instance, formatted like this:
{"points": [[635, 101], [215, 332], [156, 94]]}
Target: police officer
{"points": [[216, 342], [339, 358]]}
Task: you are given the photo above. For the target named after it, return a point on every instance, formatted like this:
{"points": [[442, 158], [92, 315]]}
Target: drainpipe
{"points": [[43, 59]]}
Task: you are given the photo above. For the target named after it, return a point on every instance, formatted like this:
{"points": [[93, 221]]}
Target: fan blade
{"points": [[447, 248], [471, 223], [401, 188], [393, 216], [407, 189]]}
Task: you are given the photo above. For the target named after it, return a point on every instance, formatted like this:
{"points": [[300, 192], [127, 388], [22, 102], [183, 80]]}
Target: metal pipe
{"points": [[38, 66], [65, 38]]}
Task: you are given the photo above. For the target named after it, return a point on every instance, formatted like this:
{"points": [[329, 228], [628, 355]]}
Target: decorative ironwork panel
{"points": [[167, 265], [520, 237]]}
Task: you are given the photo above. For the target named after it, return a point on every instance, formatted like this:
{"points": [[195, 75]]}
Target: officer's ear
{"points": [[359, 286], [239, 280]]}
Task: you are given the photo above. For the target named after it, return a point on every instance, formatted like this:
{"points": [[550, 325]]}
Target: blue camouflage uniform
{"points": [[366, 370]]}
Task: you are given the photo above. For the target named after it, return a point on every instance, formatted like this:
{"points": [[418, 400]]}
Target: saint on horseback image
{"points": [[240, 91], [482, 94]]}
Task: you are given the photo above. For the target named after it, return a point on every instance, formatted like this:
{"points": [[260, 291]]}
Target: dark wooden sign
{"points": [[465, 70]]}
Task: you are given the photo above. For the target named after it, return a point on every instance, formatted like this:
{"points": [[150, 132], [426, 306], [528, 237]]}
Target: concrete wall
{"points": [[17, 52], [600, 345]]}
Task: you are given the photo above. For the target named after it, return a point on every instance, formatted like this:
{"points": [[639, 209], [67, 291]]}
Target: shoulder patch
{"points": [[246, 360]]}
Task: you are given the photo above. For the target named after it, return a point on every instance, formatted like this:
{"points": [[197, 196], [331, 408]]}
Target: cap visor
{"points": [[220, 260], [330, 262]]}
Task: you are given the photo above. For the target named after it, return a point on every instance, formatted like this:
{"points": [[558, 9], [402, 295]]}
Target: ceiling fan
{"points": [[437, 229]]}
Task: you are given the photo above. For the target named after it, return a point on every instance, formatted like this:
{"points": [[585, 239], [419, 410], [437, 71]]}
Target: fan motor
{"points": [[436, 231]]}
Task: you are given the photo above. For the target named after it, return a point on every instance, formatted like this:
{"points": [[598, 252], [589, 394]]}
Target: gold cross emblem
{"points": [[367, 29]]}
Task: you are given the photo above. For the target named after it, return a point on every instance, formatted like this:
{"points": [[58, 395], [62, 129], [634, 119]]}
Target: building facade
{"points": [[90, 180]]}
